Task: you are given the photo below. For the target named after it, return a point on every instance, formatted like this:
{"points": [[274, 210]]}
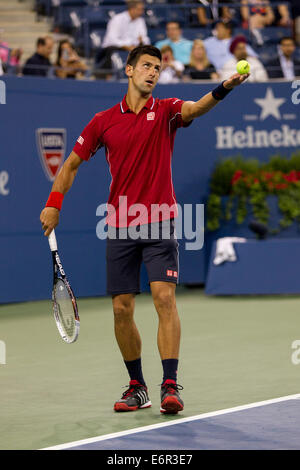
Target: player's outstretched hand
{"points": [[235, 80], [49, 218]]}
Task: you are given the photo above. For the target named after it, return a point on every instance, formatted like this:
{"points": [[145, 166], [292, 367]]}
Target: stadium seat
{"points": [[113, 2], [156, 34], [156, 17], [63, 14], [272, 35], [242, 32], [96, 17], [196, 33], [267, 53], [44, 7]]}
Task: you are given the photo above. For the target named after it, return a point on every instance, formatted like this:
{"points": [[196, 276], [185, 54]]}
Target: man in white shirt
{"points": [[239, 50], [124, 31], [128, 29]]}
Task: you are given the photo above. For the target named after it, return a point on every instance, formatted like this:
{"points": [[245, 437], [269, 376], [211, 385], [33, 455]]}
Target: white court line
{"points": [[172, 423]]}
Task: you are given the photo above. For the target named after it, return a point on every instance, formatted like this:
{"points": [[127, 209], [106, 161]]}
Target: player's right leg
{"points": [[123, 260]]}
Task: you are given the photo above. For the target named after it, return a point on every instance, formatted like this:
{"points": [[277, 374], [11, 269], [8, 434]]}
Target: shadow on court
{"points": [[234, 351]]}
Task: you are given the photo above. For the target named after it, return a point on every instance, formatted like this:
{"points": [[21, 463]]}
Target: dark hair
{"points": [[287, 38], [227, 24], [40, 42], [133, 3], [137, 52], [175, 22], [60, 49]]}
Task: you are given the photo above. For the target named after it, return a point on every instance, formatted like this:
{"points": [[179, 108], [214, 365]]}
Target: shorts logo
{"points": [[150, 116], [172, 273], [51, 145], [80, 140]]}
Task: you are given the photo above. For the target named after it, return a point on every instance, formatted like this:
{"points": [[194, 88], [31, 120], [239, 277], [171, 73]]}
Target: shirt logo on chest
{"points": [[150, 116]]}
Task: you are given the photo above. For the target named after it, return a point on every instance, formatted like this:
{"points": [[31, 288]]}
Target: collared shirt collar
{"points": [[124, 106]]}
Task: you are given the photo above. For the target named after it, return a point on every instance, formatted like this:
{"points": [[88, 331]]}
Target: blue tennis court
{"points": [[268, 425]]}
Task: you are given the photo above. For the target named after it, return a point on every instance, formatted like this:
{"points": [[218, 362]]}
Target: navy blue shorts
{"points": [[158, 249]]}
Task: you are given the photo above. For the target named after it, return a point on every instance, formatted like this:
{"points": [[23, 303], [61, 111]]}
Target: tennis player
{"points": [[138, 135]]}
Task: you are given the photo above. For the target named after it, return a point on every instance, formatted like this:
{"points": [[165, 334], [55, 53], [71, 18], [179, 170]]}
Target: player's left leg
{"points": [[168, 337], [168, 340]]}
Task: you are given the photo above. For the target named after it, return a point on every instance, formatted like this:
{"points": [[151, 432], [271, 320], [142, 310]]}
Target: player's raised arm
{"points": [[50, 214], [193, 109]]}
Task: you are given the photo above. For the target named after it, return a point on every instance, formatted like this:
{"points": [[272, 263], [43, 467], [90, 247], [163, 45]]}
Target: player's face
{"points": [[145, 74]]}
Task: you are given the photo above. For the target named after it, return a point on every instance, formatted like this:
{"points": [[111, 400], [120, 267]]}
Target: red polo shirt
{"points": [[138, 149]]}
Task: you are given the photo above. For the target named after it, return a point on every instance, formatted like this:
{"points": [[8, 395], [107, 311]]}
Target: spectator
{"points": [[256, 14], [217, 46], [199, 67], [128, 29], [68, 62], [181, 47], [171, 69], [213, 12], [239, 51], [285, 65], [10, 56], [282, 16], [39, 64], [124, 31], [295, 10], [1, 69]]}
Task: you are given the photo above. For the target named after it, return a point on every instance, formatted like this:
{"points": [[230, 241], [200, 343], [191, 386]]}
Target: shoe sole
{"points": [[171, 405], [124, 407]]}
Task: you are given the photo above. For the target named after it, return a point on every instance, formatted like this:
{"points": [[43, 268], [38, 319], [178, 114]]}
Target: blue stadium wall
{"points": [[31, 103]]}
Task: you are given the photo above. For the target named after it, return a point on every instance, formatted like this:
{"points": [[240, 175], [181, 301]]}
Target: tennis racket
{"points": [[64, 303]]}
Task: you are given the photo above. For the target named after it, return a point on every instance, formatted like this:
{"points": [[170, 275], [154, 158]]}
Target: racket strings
{"points": [[64, 308]]}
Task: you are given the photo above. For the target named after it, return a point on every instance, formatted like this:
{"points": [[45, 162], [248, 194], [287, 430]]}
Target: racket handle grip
{"points": [[52, 241]]}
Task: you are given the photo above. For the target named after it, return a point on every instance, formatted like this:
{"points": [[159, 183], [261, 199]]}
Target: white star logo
{"points": [[269, 105]]}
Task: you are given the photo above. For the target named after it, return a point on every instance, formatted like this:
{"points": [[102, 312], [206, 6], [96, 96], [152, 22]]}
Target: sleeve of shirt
{"points": [[90, 139], [112, 35], [174, 109], [144, 32]]}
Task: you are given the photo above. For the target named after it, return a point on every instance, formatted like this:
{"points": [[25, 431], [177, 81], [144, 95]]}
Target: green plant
{"points": [[247, 183]]}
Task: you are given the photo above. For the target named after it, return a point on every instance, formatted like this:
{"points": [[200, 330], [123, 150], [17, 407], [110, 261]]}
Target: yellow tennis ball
{"points": [[243, 67]]}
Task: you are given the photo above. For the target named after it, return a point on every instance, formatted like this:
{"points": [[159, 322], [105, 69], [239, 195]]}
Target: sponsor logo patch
{"points": [[150, 116]]}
